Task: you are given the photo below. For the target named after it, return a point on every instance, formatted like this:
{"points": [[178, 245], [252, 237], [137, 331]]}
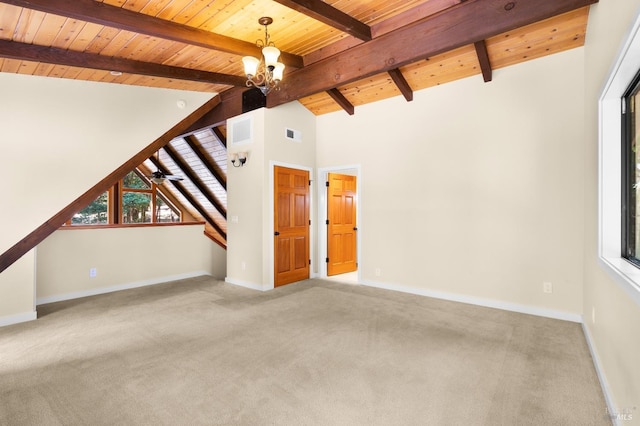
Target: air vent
{"points": [[240, 130], [294, 135]]}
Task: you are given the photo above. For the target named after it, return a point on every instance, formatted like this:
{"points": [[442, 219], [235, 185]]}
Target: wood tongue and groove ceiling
{"points": [[339, 54]]}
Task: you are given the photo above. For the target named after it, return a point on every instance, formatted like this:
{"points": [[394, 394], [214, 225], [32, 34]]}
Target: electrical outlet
{"points": [[378, 272], [243, 265], [93, 273], [547, 287]]}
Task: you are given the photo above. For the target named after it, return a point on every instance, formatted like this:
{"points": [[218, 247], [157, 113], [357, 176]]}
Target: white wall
{"points": [[123, 258], [17, 303], [58, 139], [474, 190], [612, 318], [250, 189]]}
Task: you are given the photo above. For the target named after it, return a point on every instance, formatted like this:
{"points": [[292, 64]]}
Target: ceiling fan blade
{"points": [[172, 177]]}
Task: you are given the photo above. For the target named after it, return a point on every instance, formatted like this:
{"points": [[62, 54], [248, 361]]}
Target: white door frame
{"points": [[323, 174]]}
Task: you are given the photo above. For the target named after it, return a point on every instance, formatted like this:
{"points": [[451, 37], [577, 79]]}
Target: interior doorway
{"points": [[339, 223], [291, 225]]}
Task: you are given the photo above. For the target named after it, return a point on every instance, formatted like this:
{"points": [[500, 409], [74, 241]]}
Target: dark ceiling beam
{"points": [[117, 17], [204, 159], [53, 55], [43, 231], [341, 100], [401, 84], [327, 14], [195, 179], [483, 59], [221, 137], [452, 28], [412, 15], [230, 106], [408, 17], [187, 196]]}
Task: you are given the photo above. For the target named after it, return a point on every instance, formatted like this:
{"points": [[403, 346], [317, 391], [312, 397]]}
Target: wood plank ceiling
{"points": [[339, 54]]}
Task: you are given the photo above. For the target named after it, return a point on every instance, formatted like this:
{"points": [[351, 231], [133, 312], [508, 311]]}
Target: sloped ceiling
{"points": [[339, 54]]}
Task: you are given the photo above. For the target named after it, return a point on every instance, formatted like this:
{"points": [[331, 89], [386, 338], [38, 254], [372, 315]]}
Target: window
{"points": [[96, 213], [138, 200], [631, 173], [617, 253], [143, 203]]}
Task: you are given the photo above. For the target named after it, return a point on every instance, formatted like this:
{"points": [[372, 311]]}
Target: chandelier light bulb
{"points": [[278, 71], [271, 55], [250, 65]]}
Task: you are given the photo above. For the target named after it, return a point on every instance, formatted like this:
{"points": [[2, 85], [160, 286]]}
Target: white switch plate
{"points": [[93, 272], [547, 287]]}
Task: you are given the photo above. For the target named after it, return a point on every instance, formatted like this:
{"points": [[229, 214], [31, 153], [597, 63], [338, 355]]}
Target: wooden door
{"points": [[342, 227], [291, 225]]}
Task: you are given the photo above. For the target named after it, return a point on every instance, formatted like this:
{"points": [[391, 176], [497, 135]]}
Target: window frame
{"points": [[629, 160], [115, 203], [610, 170]]}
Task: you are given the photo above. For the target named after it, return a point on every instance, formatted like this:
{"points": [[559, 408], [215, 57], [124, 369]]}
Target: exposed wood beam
{"points": [[331, 16], [117, 17], [447, 30], [187, 195], [214, 238], [483, 59], [195, 179], [202, 155], [53, 55], [344, 103], [412, 15], [401, 83], [221, 137], [230, 106], [55, 222]]}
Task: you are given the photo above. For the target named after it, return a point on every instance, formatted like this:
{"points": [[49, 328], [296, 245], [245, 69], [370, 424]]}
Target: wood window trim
{"points": [[114, 206]]}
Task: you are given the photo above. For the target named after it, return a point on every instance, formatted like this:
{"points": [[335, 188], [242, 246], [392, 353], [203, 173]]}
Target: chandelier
{"points": [[265, 73]]}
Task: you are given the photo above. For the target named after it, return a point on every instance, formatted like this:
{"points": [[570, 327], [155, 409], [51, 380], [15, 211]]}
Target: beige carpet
{"points": [[201, 351]]}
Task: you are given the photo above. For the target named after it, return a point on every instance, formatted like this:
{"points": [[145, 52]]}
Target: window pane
{"points": [[136, 207], [165, 212], [96, 213], [133, 181], [631, 178]]}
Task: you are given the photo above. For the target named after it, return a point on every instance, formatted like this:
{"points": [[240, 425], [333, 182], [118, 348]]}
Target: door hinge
{"points": [[327, 184], [309, 261], [309, 182], [327, 222], [309, 222], [624, 106], [327, 260]]}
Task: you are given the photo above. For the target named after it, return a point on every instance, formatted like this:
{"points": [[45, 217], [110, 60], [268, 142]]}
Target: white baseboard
{"points": [[497, 304], [604, 384], [247, 284], [119, 287], [16, 319]]}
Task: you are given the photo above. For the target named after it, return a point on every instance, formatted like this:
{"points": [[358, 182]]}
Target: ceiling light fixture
{"points": [[265, 73]]}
